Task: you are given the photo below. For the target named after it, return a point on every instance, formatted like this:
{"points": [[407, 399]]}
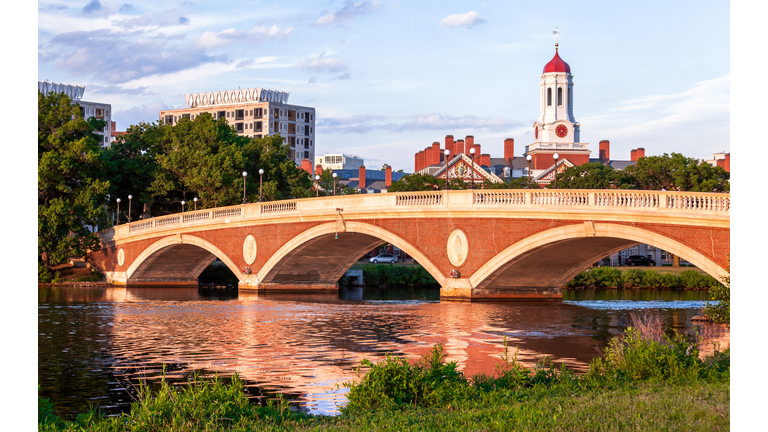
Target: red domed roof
{"points": [[557, 65]]}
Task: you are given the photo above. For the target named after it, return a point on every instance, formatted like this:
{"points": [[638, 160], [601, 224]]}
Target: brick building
{"points": [[255, 113]]}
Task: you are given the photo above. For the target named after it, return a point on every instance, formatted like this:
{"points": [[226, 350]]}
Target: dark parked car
{"points": [[636, 260]]}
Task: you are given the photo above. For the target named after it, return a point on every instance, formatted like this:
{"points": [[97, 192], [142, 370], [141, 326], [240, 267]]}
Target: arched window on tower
{"points": [[549, 97], [559, 96], [570, 97]]}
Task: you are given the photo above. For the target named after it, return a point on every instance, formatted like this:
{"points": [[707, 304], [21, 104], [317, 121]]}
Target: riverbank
{"points": [[621, 391]]}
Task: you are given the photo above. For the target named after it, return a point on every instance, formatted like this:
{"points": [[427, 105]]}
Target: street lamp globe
{"points": [[556, 157], [182, 206], [447, 153], [195, 200], [334, 184], [245, 174], [261, 176]]}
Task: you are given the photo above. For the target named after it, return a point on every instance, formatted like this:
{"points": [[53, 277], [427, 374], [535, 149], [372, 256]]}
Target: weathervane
{"points": [[557, 35]]}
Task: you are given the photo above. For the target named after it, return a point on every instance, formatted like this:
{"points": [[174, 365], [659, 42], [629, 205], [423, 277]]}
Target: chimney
{"points": [[509, 150], [319, 170], [727, 166], [640, 152], [435, 154], [449, 145], [362, 177], [477, 152], [633, 155], [458, 147], [306, 165], [605, 150], [416, 163], [388, 176], [469, 142], [422, 159], [485, 160], [427, 156]]}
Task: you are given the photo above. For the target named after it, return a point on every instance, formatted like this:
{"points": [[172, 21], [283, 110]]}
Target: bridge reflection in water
{"points": [[504, 244], [304, 345]]}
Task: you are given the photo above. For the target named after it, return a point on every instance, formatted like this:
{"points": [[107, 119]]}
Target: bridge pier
{"points": [[293, 287], [462, 290]]}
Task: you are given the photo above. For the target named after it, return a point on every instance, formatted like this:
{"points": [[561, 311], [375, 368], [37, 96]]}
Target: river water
{"points": [[96, 344]]}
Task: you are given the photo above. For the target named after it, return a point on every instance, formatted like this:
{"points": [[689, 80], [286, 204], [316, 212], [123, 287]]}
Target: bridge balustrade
{"points": [[461, 200], [278, 207], [420, 199]]}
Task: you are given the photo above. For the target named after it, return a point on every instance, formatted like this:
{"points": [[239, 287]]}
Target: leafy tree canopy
{"points": [[71, 181], [326, 185], [592, 175], [677, 172]]}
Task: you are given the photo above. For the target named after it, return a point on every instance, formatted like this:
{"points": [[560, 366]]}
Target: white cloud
{"points": [[322, 65], [255, 36], [468, 20], [347, 13]]}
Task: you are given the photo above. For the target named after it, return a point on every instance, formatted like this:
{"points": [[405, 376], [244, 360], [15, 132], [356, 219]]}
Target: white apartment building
{"points": [[255, 113], [101, 111], [339, 161]]}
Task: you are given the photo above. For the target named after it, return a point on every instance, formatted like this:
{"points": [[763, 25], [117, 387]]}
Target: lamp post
{"points": [[195, 200], [130, 198], [245, 174], [261, 176], [556, 156], [472, 154], [117, 219], [317, 185], [529, 158], [334, 184], [447, 153], [182, 205]]}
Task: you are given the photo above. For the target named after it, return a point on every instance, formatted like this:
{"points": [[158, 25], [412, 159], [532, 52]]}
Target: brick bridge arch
{"points": [[322, 254], [570, 249], [178, 258]]}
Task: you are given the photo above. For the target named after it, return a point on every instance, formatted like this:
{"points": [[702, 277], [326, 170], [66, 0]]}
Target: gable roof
{"points": [[549, 174], [462, 166]]}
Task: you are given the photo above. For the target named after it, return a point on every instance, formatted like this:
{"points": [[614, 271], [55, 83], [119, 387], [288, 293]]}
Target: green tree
{"points": [[677, 172], [71, 182], [326, 185], [205, 158], [592, 175], [131, 165], [417, 182]]}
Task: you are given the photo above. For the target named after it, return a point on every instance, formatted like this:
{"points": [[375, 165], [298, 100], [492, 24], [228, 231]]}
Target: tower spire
{"points": [[557, 35]]}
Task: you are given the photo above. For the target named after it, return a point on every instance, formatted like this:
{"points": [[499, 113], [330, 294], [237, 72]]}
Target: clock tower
{"points": [[556, 130]]}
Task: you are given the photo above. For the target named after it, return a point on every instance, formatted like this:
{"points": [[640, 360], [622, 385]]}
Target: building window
{"points": [[186, 116], [559, 96], [239, 127], [220, 115], [258, 126], [168, 120], [549, 97]]}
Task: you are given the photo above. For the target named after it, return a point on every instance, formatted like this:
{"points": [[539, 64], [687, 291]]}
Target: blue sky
{"points": [[389, 78]]}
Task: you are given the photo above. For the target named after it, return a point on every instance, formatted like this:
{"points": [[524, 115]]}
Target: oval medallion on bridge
{"points": [[249, 249], [120, 257], [458, 246]]}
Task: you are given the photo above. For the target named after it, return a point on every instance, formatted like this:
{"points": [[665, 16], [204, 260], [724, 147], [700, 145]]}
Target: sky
{"points": [[389, 78]]}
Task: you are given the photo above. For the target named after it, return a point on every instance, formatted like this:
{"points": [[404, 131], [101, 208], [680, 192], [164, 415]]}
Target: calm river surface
{"points": [[94, 342]]}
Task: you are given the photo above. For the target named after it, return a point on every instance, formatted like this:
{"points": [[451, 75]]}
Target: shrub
{"points": [[632, 278], [651, 279], [669, 280], [394, 383], [44, 273], [721, 293], [391, 275]]}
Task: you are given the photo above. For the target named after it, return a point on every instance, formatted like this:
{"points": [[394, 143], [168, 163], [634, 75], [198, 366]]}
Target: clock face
{"points": [[561, 131], [536, 132]]}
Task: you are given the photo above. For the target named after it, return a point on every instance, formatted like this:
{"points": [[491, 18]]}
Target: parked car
{"points": [[384, 258], [635, 260]]}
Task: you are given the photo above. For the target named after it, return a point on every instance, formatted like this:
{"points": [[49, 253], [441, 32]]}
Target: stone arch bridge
{"points": [[505, 244]]}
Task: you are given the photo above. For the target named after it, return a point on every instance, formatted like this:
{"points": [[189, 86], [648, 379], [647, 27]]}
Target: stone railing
{"points": [[278, 207], [611, 202], [419, 199]]}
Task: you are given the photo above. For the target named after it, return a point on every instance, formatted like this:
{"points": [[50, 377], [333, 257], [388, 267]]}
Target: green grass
{"points": [[645, 381]]}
